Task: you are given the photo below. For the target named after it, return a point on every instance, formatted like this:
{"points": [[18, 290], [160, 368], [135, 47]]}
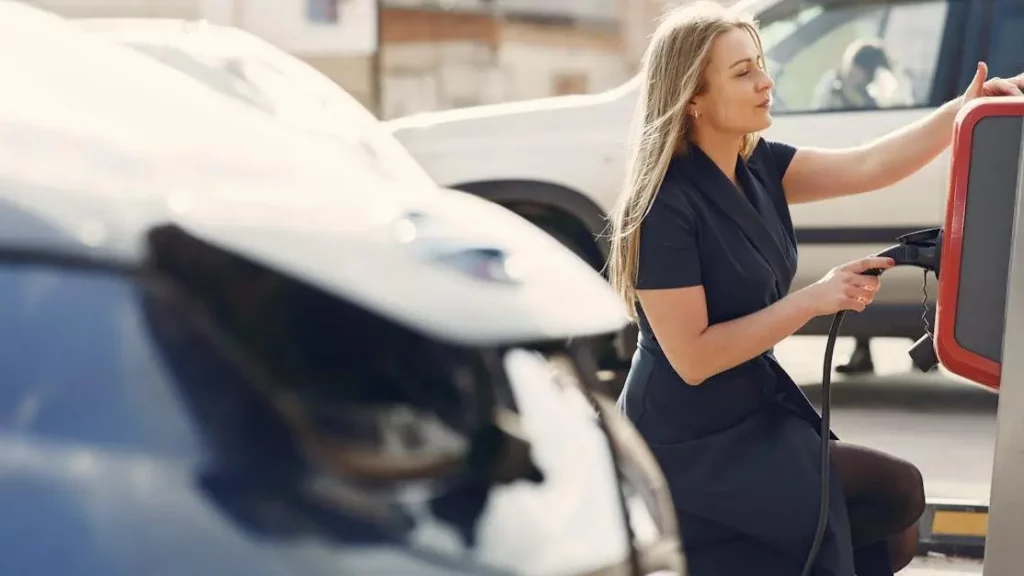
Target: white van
{"points": [[560, 161]]}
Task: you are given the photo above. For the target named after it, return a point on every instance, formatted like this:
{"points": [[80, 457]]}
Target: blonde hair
{"points": [[672, 72]]}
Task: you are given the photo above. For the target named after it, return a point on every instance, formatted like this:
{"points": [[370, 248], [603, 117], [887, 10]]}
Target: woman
{"points": [[703, 252]]}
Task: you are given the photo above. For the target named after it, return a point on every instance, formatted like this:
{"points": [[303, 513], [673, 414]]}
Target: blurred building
{"points": [[440, 54], [435, 54], [639, 19]]}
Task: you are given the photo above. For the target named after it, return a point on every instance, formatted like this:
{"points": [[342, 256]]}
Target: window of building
{"points": [[322, 11]]}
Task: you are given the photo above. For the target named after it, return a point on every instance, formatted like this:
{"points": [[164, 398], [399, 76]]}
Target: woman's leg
{"points": [[885, 498]]}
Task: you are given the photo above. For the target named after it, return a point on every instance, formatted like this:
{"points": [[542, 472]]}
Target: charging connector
{"points": [[922, 249]]}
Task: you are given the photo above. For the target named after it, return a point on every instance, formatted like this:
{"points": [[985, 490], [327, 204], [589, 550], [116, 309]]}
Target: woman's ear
{"points": [[693, 109]]}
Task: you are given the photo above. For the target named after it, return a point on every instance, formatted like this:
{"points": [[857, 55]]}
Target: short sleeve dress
{"points": [[741, 451]]}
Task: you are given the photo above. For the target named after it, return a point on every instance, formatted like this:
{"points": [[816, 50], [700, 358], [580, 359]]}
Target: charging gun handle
{"points": [[922, 249], [900, 253], [922, 353]]}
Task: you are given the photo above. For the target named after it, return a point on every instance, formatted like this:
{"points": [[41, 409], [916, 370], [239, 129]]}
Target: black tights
{"points": [[885, 498]]}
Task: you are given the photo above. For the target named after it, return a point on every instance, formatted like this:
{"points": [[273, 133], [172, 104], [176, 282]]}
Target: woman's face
{"points": [[737, 90]]}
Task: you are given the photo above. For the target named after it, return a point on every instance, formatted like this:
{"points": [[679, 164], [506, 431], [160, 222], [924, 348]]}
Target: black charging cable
{"points": [[826, 387], [924, 250]]}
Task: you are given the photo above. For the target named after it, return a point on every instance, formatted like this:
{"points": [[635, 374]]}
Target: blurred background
{"points": [[400, 57]]}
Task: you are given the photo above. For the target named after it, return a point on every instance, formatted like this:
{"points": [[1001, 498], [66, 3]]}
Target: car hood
{"points": [[447, 264]]}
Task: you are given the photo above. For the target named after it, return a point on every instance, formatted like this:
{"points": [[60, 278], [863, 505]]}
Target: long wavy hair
{"points": [[672, 73]]}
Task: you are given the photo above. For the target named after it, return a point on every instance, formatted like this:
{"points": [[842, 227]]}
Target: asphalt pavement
{"points": [[942, 567], [943, 424]]}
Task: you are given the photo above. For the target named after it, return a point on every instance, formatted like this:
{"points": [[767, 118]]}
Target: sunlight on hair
{"points": [[672, 71]]}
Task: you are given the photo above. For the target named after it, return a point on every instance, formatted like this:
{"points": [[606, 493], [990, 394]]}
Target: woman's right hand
{"points": [[846, 287]]}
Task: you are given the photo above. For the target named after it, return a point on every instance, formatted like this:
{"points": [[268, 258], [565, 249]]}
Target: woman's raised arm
{"points": [[820, 174]]}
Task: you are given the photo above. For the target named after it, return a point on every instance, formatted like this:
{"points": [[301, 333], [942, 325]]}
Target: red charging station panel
{"points": [[977, 237]]}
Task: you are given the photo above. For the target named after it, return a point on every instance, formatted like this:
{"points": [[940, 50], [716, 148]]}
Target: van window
{"points": [[1006, 46], [830, 56]]}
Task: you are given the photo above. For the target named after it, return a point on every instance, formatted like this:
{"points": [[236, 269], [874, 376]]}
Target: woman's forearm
{"points": [[728, 344], [900, 153]]}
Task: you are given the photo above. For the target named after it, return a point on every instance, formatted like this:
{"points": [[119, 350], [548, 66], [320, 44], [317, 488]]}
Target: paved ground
{"points": [[942, 424], [942, 567]]}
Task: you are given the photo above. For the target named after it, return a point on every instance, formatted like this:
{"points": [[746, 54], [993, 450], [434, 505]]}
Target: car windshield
{"points": [[111, 387], [288, 89]]}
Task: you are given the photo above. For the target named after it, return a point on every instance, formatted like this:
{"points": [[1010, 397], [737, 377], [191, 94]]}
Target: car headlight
{"points": [[648, 500]]}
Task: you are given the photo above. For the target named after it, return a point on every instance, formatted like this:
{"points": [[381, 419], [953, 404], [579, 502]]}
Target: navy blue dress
{"points": [[741, 451]]}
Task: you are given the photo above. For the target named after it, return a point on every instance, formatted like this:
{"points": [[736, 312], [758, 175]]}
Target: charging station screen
{"points": [[988, 230]]}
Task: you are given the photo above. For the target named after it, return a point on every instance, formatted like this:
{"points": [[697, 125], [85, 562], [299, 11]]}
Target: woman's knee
{"points": [[911, 495], [903, 548], [902, 491], [875, 479]]}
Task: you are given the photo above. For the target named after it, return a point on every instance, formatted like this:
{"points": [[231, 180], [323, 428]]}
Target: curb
{"points": [[953, 528]]}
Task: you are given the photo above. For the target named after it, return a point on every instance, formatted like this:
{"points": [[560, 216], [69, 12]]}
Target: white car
{"points": [[249, 69], [560, 161], [231, 347], [245, 67]]}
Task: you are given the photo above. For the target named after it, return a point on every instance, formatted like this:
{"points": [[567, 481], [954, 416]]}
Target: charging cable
{"points": [[826, 404], [924, 250]]}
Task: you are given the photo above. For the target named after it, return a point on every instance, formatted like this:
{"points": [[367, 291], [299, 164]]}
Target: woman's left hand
{"points": [[982, 87]]}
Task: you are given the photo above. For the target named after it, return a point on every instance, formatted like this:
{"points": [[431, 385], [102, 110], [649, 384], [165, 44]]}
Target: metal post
{"points": [[1003, 555]]}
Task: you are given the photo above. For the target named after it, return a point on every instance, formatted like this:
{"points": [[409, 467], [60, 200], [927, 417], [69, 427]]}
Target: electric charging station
{"points": [[979, 332], [977, 247]]}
